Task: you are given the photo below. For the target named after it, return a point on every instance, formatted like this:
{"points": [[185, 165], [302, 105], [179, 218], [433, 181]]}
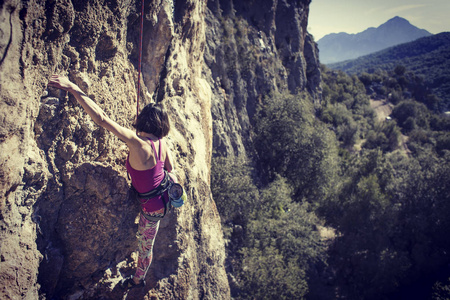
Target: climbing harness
{"points": [[176, 195]]}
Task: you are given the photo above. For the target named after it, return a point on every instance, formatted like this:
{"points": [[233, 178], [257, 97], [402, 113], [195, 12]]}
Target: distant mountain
{"points": [[428, 57], [342, 46]]}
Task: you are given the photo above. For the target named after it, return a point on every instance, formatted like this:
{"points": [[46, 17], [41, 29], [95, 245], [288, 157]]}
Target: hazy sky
{"points": [[353, 16]]}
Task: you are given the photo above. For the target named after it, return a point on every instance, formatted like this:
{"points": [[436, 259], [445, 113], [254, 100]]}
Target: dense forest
{"points": [[427, 57], [336, 202]]}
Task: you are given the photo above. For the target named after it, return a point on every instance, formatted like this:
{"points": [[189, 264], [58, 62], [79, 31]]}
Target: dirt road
{"points": [[383, 109]]}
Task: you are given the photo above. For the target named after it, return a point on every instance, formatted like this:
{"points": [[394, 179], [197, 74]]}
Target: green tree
{"points": [[407, 112], [400, 70], [282, 244], [234, 192], [291, 142], [386, 137]]}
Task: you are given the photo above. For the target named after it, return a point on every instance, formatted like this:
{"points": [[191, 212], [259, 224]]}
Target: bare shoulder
{"points": [[137, 143]]}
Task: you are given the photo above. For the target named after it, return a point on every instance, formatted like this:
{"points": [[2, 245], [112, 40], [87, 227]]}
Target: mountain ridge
{"points": [[342, 46]]}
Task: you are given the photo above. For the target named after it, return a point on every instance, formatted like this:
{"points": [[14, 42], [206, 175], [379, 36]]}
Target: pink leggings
{"points": [[146, 237]]}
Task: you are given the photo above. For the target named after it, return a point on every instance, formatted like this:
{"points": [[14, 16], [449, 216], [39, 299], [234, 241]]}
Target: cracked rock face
{"points": [[67, 215]]}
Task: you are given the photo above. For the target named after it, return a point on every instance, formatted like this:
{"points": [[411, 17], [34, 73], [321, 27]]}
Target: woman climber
{"points": [[145, 164]]}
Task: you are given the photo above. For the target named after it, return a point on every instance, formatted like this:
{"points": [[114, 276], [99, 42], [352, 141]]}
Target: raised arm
{"points": [[94, 111]]}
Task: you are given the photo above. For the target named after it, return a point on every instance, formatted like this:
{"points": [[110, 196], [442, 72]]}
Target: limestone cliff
{"points": [[67, 216]]}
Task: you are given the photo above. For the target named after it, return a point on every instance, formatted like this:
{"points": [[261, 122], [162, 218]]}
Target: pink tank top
{"points": [[147, 180]]}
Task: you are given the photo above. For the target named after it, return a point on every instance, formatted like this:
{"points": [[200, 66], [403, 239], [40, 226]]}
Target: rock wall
{"points": [[67, 216], [255, 48]]}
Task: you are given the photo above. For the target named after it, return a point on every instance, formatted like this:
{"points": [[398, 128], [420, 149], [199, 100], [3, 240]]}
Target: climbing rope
{"points": [[141, 32]]}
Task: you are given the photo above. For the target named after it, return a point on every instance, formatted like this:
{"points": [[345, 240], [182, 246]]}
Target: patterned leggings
{"points": [[147, 231]]}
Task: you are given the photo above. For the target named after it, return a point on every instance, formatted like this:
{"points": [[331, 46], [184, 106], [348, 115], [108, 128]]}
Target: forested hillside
{"points": [[331, 204], [428, 58]]}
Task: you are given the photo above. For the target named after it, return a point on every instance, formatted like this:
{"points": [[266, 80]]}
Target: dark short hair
{"points": [[153, 119]]}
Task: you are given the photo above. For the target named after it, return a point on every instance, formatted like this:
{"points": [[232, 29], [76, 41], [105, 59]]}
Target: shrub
{"points": [[385, 137], [291, 142], [411, 109]]}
